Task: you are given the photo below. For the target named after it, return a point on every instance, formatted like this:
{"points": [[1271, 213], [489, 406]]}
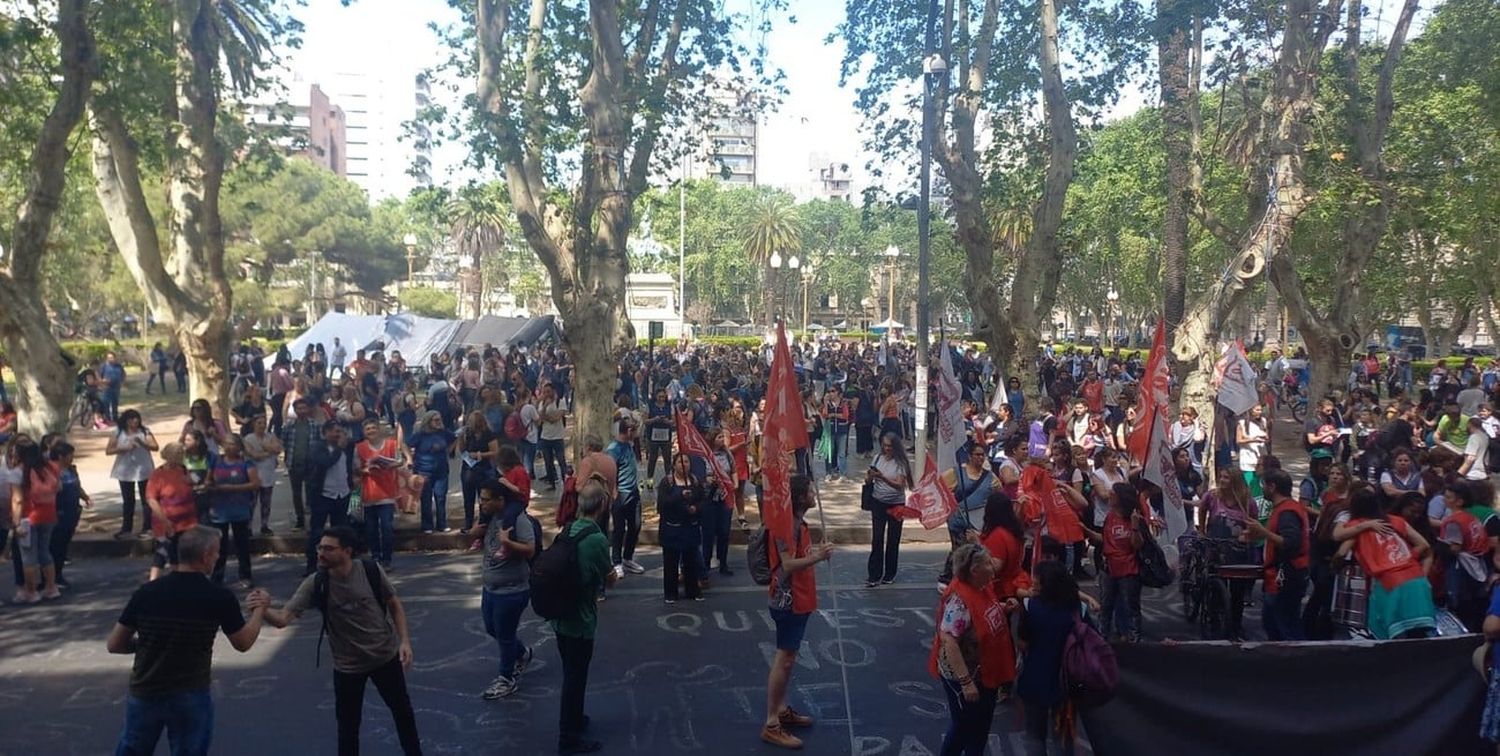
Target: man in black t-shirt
{"points": [[170, 625]]}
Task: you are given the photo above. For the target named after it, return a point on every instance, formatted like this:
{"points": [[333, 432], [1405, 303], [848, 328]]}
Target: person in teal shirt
{"points": [[575, 636]]}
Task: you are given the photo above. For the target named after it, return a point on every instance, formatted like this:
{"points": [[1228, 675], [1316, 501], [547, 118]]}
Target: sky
{"points": [[816, 118]]}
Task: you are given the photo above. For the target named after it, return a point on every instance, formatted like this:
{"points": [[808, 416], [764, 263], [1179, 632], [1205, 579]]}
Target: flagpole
{"points": [[838, 630]]}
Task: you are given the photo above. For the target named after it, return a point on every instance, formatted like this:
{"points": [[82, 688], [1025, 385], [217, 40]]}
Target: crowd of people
{"points": [[1048, 496]]}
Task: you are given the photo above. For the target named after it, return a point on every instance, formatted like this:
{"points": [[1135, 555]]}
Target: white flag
{"points": [[950, 430], [1235, 380]]}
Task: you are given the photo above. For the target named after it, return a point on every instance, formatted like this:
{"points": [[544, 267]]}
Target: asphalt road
{"points": [[680, 679]]}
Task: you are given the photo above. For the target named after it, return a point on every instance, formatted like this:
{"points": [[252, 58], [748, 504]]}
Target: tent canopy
{"points": [[504, 332], [417, 338]]}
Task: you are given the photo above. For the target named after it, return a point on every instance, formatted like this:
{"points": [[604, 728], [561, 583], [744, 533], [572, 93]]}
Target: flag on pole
{"points": [[691, 443], [950, 411], [1150, 442], [1234, 380], [930, 502], [785, 432]]}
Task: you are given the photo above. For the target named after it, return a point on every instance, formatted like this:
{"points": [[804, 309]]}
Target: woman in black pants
{"points": [[678, 503], [890, 474]]}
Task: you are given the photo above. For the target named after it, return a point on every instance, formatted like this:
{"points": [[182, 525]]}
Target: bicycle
{"points": [[81, 413], [1204, 582], [1294, 399]]}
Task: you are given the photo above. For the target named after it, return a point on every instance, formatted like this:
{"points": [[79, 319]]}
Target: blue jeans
{"points": [[836, 450], [435, 497], [188, 718], [326, 511], [111, 401], [714, 518], [380, 531], [1281, 614], [528, 457], [502, 616]]}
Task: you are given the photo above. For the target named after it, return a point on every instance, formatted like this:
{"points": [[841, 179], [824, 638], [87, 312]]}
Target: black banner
{"points": [[1273, 699]]}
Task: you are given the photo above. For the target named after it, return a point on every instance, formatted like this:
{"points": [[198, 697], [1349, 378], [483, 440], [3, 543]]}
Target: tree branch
{"points": [[116, 165], [527, 188], [47, 168]]}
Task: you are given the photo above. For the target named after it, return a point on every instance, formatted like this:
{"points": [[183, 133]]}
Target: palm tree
{"points": [[476, 218], [774, 227]]}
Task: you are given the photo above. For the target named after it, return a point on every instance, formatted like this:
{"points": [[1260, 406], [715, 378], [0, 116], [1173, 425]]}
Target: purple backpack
{"points": [[1089, 669]]}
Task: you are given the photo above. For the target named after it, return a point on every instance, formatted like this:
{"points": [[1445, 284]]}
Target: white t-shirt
{"points": [[1477, 447], [552, 431], [1103, 482], [532, 418], [1250, 452]]}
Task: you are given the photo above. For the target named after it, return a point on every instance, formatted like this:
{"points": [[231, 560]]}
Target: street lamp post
{"points": [[934, 69], [808, 270], [1109, 316], [410, 240], [891, 254]]}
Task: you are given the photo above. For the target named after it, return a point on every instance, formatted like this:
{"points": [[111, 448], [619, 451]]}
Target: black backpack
{"points": [[1155, 572], [556, 580], [758, 555], [320, 598]]}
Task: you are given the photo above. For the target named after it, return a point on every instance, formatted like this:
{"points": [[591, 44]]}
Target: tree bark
{"points": [[189, 287], [1281, 131], [1333, 335], [1177, 47], [44, 386], [1009, 329], [581, 241]]}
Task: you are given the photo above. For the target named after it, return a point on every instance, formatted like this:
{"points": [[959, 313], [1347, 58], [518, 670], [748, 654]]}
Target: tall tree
{"points": [[592, 84], [1008, 64], [1271, 141], [187, 286], [41, 372], [1178, 48], [1332, 335], [477, 216], [774, 230]]}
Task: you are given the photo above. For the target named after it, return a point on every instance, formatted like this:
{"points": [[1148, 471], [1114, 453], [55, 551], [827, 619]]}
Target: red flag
{"points": [[785, 431], [1155, 396], [691, 443]]}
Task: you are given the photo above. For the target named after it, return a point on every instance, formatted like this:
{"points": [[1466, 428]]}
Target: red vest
{"points": [[1387, 558], [997, 656], [1475, 540], [1003, 545], [1272, 561]]}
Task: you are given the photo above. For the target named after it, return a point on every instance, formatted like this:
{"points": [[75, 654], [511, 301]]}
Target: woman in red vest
{"points": [[1465, 550], [1004, 537], [1389, 550], [1120, 582], [972, 654]]}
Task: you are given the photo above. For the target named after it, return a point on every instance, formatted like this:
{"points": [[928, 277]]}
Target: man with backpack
{"points": [[566, 581], [367, 633], [511, 539]]}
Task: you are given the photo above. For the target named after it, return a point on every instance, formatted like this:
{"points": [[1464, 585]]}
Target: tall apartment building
{"points": [[730, 144], [307, 122], [382, 158], [831, 179]]}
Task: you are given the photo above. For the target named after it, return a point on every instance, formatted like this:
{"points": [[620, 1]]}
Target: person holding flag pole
{"points": [[792, 556]]}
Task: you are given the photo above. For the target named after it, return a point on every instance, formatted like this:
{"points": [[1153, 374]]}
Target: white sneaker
{"points": [[500, 688], [633, 567], [522, 663]]}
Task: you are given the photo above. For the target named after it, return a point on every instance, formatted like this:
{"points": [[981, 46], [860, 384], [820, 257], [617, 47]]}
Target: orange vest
{"points": [[1272, 563], [1387, 558], [997, 655], [1475, 540]]}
